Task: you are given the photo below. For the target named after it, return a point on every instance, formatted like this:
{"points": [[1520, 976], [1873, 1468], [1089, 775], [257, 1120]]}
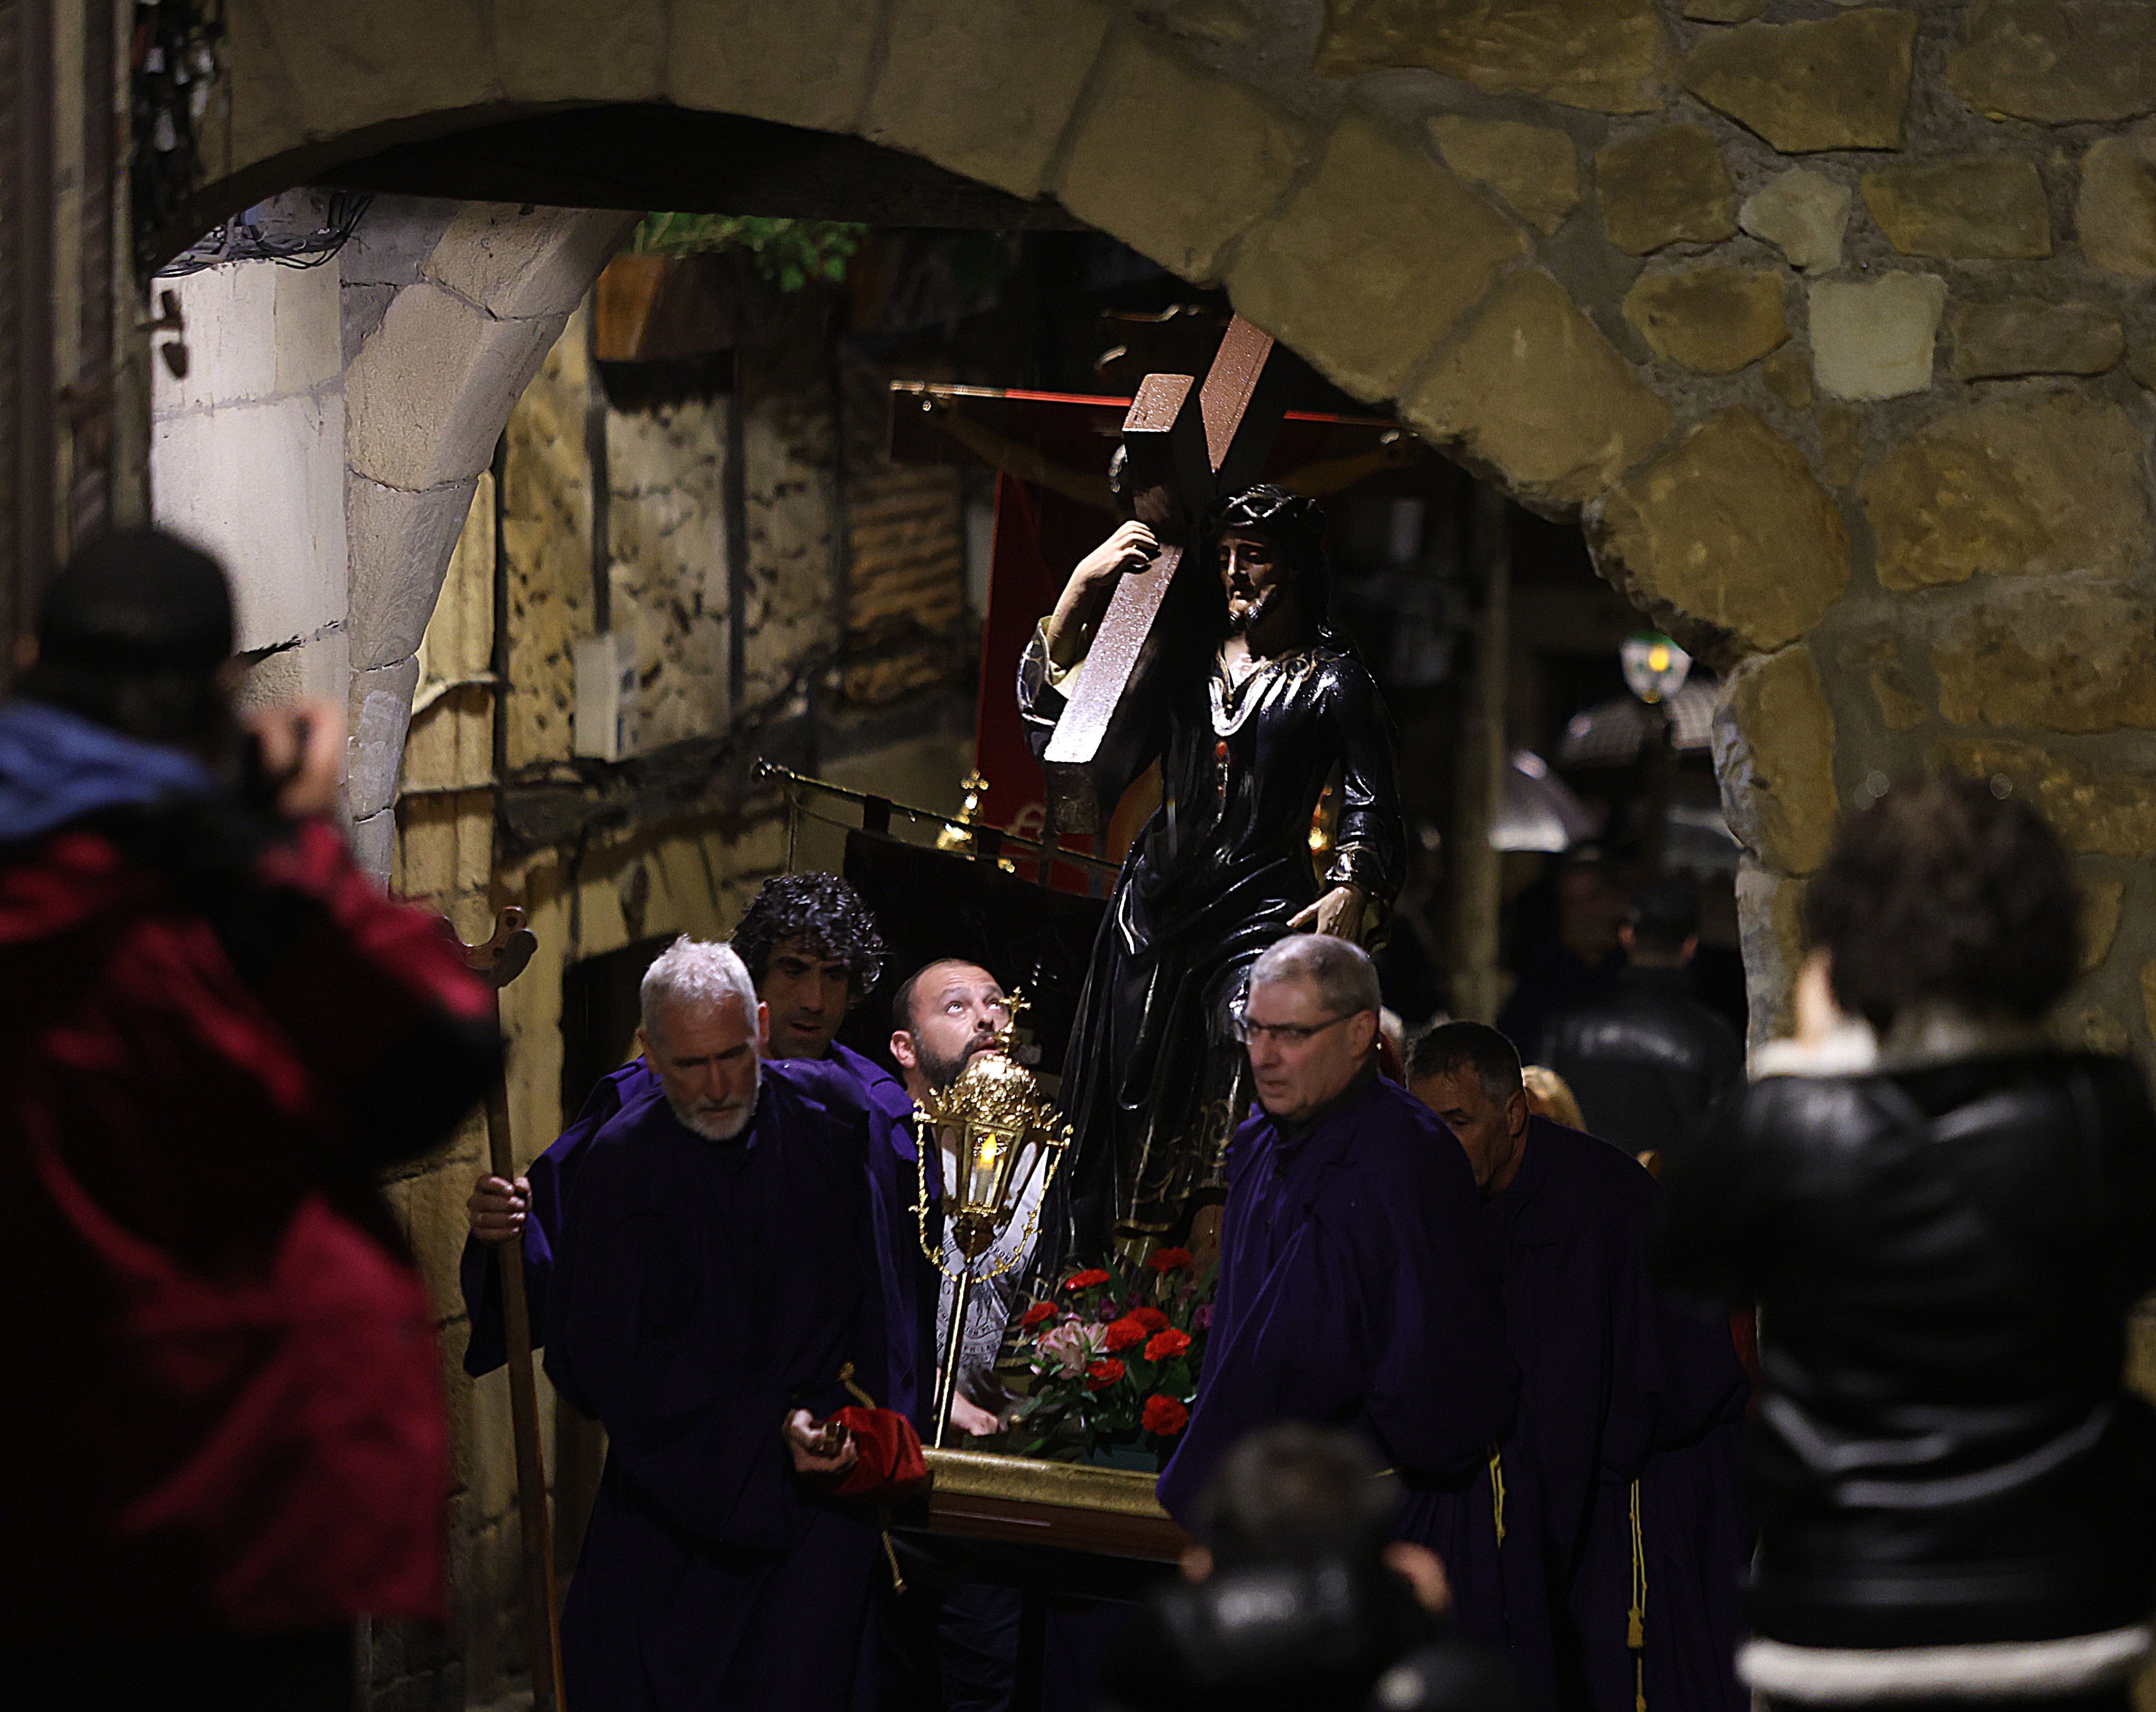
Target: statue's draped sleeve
{"points": [[1369, 842], [1042, 690]]}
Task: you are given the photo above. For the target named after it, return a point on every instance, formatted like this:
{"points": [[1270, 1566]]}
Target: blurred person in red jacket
{"points": [[224, 1432]]}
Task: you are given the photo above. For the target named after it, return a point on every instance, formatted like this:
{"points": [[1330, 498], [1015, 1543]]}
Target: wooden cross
{"points": [[498, 961], [1187, 446]]}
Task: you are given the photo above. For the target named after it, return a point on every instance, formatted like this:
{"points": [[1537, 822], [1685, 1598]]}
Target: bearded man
{"points": [[955, 1644], [715, 1287], [944, 1015], [1257, 716]]}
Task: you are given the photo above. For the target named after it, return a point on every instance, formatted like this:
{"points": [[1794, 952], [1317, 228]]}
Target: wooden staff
{"points": [[499, 960]]}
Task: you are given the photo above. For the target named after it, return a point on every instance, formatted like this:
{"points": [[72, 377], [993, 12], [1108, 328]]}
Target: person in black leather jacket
{"points": [[1649, 1063], [1945, 1222]]}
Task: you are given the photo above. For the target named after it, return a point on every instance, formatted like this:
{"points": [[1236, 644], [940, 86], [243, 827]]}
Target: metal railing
{"points": [[989, 842]]}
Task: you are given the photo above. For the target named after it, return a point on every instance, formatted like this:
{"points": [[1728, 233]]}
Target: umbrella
{"points": [[1539, 812], [1613, 733]]}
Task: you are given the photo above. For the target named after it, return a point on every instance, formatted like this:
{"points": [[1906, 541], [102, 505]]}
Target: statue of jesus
{"points": [[1155, 1080]]}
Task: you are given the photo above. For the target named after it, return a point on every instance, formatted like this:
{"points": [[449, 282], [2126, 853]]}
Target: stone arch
{"points": [[468, 309], [1682, 279]]}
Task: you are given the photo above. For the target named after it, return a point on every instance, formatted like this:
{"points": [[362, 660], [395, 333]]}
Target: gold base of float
{"points": [[1070, 1506]]}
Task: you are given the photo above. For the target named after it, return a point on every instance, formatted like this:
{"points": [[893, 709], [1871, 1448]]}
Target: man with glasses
{"points": [[1356, 1290]]}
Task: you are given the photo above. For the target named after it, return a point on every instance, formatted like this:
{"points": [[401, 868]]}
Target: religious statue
{"points": [[1259, 706]]}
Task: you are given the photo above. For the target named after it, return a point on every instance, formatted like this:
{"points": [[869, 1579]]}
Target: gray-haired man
{"points": [[715, 1284], [1355, 1288]]}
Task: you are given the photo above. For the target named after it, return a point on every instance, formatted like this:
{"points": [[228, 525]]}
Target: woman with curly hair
{"points": [[1945, 1220]]}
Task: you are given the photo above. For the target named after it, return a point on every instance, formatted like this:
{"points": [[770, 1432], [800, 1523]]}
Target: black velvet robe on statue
{"points": [[1154, 1082]]}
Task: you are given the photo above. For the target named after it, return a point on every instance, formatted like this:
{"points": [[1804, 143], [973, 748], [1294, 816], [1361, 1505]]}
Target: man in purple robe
{"points": [[1625, 1535], [813, 949], [1355, 1288], [714, 1288]]}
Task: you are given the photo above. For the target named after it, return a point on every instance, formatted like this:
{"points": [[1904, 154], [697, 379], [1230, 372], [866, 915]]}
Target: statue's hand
{"points": [[1132, 545], [1069, 626], [1339, 913]]}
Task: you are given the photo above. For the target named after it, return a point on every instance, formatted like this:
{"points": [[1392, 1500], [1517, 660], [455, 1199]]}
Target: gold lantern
{"points": [[999, 1118]]}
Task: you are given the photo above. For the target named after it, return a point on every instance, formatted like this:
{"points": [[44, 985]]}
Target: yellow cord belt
{"points": [[1635, 1628]]}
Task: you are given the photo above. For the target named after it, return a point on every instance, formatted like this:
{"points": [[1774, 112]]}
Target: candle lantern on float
{"points": [[1006, 1134]]}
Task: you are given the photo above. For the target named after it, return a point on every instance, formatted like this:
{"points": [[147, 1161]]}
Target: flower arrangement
{"points": [[1114, 1357]]}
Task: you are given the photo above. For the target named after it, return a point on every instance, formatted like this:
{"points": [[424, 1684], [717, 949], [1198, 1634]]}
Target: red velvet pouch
{"points": [[888, 1464]]}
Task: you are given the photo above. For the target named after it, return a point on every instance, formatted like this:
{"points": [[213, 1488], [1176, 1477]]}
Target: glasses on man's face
{"points": [[1285, 1034]]}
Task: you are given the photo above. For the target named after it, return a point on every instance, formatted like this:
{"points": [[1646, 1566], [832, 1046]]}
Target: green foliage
{"points": [[790, 254]]}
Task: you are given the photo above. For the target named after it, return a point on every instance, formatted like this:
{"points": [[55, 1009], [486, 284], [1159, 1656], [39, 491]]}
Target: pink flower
{"points": [[1070, 1346]]}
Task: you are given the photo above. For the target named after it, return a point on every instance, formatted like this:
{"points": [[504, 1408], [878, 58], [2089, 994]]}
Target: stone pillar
{"points": [[247, 460]]}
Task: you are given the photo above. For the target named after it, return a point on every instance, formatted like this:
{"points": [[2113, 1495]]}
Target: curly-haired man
{"points": [[813, 951]]}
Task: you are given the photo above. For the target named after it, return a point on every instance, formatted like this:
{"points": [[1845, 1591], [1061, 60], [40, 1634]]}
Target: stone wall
{"points": [[668, 549], [667, 526], [1829, 320]]}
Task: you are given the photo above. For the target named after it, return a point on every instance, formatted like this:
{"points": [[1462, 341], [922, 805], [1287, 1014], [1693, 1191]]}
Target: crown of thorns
{"points": [[822, 911], [1295, 524]]}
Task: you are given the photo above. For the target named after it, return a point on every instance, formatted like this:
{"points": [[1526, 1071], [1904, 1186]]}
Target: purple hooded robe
{"points": [[701, 1290], [1620, 1382], [1355, 1291]]}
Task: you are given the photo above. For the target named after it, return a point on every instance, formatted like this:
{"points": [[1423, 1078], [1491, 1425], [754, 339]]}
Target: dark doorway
{"points": [[599, 1016]]}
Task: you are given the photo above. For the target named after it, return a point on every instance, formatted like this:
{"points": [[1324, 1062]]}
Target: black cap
{"points": [[137, 600]]}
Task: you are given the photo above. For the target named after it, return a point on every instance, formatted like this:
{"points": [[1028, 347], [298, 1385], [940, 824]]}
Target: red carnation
{"points": [[1086, 1280], [1167, 1343], [1034, 1316], [1167, 1260], [1121, 1333], [1165, 1416], [1150, 1318], [1100, 1375]]}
